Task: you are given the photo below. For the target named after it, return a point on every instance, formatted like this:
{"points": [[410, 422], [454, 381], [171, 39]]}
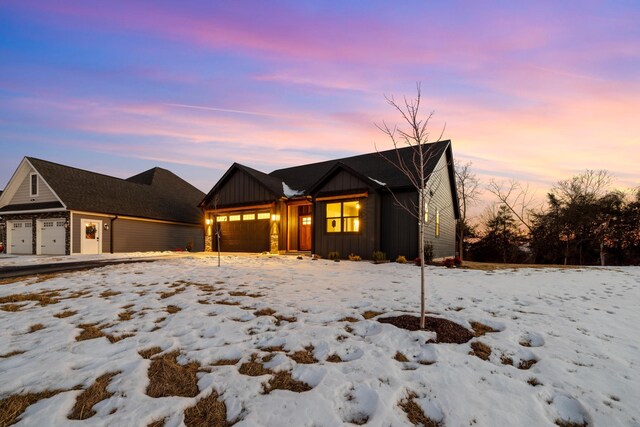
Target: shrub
{"points": [[428, 252], [353, 257], [333, 255], [418, 261], [379, 256], [457, 261], [401, 259], [189, 246], [448, 262]]}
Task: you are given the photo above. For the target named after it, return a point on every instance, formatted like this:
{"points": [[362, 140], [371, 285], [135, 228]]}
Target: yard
{"points": [[278, 341]]}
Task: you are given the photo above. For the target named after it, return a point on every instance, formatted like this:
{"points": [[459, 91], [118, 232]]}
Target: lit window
{"points": [[221, 218], [306, 220], [235, 217], [437, 222], [248, 217], [426, 213], [263, 215], [34, 185], [343, 217]]}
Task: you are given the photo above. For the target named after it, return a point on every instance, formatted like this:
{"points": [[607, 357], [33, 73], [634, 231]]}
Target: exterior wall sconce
{"points": [[66, 224], [275, 217], [208, 221], [106, 226]]}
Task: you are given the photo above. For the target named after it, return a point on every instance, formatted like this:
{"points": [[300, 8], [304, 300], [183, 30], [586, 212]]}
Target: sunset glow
{"points": [[534, 91]]}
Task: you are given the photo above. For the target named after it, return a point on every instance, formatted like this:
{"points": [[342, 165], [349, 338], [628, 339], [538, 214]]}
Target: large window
{"points": [[343, 217]]}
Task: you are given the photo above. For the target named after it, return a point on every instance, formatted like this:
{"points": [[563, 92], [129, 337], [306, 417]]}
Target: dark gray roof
{"points": [[273, 183], [155, 194], [372, 165]]}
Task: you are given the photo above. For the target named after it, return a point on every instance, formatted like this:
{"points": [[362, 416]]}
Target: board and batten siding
{"points": [[131, 235], [362, 243], [342, 182], [22, 195], [442, 201], [399, 231], [241, 189]]}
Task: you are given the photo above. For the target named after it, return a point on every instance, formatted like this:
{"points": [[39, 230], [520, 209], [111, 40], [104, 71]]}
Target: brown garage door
{"points": [[244, 232]]}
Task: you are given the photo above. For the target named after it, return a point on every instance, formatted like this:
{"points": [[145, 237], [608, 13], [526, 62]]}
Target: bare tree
{"points": [[413, 135], [467, 186], [517, 198]]}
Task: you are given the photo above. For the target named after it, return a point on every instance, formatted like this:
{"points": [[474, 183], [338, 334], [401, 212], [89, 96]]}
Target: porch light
{"points": [[275, 217], [66, 224], [208, 221], [358, 205]]}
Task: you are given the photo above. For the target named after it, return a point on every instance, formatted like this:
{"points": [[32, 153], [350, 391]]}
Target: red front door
{"points": [[304, 233]]}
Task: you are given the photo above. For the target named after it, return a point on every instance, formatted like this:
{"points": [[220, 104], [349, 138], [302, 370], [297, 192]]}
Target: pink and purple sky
{"points": [[535, 91]]}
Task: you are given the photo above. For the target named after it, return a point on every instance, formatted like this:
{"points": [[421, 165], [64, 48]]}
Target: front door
{"points": [[90, 234], [304, 233]]}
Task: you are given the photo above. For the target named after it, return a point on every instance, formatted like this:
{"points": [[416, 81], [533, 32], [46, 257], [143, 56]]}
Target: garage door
{"points": [[244, 232], [20, 237], [51, 236]]}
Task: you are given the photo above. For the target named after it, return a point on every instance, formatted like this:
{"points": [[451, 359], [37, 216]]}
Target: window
{"points": [[249, 217], [234, 217], [426, 213], [221, 218], [306, 220], [343, 217], [264, 215], [437, 222], [33, 189]]}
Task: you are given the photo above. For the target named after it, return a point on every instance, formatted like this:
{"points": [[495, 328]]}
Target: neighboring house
{"points": [[48, 208], [346, 205]]}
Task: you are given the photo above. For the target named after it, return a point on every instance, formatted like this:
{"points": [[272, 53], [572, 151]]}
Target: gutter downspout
{"points": [[111, 232]]}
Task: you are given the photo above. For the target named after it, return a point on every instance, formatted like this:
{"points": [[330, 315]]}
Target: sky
{"points": [[533, 91]]}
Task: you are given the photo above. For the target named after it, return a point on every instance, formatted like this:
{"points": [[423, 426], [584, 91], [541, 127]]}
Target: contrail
{"points": [[225, 110]]}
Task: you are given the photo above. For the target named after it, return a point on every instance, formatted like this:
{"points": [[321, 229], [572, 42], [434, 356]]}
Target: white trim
{"points": [[71, 252], [33, 211], [135, 218], [98, 234], [37, 193], [47, 184]]}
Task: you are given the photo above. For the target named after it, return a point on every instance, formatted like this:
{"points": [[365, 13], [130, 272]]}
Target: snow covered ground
{"points": [[578, 326], [26, 260]]}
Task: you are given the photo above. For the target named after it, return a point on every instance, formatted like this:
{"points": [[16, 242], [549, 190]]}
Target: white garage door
{"points": [[19, 237], [51, 236]]}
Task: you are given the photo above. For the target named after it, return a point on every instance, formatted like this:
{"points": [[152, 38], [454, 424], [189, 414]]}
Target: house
{"points": [[48, 208], [349, 206]]}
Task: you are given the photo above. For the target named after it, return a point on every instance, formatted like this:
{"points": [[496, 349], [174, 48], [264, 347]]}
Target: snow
{"points": [[26, 260], [289, 192], [376, 181], [579, 325]]}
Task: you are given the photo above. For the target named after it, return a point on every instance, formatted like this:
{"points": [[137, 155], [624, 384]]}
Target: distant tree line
{"points": [[582, 222]]}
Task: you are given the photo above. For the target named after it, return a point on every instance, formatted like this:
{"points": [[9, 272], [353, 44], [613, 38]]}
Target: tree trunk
{"points": [[602, 254]]}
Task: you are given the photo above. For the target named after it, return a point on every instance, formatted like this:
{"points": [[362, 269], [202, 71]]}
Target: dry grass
{"points": [[126, 315], [565, 423], [253, 368], [284, 381], [480, 329], [66, 313], [415, 413], [36, 327], [115, 338], [349, 319], [168, 378], [273, 348], [490, 266], [280, 318], [334, 358], [481, 350], [226, 362], [13, 406], [526, 364], [42, 298], [533, 381], [264, 312], [506, 360], [226, 302], [10, 280], [400, 357], [164, 295], [208, 411], [304, 356], [12, 353], [12, 307], [172, 309], [371, 314], [148, 353], [158, 423], [107, 294], [89, 331], [96, 392]]}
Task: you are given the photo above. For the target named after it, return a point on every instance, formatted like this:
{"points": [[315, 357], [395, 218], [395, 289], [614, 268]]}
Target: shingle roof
{"points": [[372, 165], [155, 194], [274, 184], [31, 206]]}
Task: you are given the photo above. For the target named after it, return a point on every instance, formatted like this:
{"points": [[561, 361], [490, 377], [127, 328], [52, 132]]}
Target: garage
{"points": [[51, 236], [20, 237], [244, 231]]}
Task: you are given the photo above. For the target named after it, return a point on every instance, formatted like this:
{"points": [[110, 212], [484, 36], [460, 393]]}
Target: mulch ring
{"points": [[446, 331]]}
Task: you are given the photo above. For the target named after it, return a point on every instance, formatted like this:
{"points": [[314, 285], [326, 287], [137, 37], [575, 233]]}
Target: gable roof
{"points": [[374, 166], [155, 194]]}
